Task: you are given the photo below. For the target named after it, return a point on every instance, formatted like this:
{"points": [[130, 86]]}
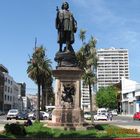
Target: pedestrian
{"points": [[110, 116], [28, 122]]}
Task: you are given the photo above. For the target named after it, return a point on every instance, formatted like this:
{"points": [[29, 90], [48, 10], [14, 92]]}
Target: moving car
{"points": [[12, 114], [100, 116], [136, 116]]}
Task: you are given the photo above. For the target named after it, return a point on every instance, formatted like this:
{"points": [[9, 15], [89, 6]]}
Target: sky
{"points": [[114, 23]]}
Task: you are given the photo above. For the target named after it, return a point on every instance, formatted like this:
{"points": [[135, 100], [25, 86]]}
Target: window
{"points": [[133, 93], [8, 89], [5, 88]]}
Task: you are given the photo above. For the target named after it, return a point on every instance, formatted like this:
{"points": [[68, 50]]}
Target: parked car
{"points": [[100, 116], [87, 115], [50, 115], [45, 115], [32, 116], [114, 112], [2, 113], [102, 111], [12, 114], [136, 116], [22, 116]]}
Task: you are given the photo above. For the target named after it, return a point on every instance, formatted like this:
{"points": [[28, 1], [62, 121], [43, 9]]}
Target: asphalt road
{"points": [[125, 120], [118, 120]]}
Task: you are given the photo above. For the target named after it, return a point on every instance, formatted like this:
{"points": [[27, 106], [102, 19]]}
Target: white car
{"points": [[31, 115], [114, 112], [45, 115], [100, 116], [87, 115], [12, 114]]}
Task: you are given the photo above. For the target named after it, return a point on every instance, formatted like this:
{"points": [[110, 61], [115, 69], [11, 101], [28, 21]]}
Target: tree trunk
{"points": [[43, 97], [46, 97], [90, 95], [38, 104]]}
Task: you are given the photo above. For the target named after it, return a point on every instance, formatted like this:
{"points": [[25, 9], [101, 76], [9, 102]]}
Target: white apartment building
{"points": [[26, 103], [11, 91], [33, 101], [112, 65], [85, 98]]}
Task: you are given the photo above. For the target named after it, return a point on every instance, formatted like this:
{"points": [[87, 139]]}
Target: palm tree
{"points": [[87, 60], [46, 87], [82, 35], [36, 71]]}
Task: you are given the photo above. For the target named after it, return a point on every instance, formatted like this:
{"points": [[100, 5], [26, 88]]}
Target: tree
{"points": [[107, 97], [87, 61], [82, 35], [46, 82], [38, 67], [47, 91]]}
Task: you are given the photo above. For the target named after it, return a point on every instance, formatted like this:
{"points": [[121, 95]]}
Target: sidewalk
{"points": [[2, 127], [127, 115]]}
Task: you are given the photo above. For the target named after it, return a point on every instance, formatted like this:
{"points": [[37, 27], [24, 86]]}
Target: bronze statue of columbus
{"points": [[66, 26]]}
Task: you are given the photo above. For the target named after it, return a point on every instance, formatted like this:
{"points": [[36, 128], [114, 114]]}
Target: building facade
{"points": [[111, 66], [9, 91], [33, 101], [85, 98], [22, 89], [1, 91], [26, 103], [130, 96]]}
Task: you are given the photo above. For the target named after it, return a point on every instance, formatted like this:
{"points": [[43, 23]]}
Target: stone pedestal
{"points": [[67, 110]]}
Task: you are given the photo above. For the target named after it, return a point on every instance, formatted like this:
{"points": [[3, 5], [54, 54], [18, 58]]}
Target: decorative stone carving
{"points": [[67, 95]]}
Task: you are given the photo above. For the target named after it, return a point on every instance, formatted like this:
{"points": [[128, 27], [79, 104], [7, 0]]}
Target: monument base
{"points": [[67, 117], [67, 112]]}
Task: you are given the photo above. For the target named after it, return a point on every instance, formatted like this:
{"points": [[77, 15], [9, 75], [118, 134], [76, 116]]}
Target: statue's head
{"points": [[65, 5]]}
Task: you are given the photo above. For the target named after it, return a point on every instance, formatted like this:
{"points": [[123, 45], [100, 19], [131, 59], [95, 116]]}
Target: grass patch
{"points": [[37, 130]]}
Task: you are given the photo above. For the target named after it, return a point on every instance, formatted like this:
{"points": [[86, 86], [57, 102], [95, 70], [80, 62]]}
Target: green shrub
{"points": [[15, 129]]}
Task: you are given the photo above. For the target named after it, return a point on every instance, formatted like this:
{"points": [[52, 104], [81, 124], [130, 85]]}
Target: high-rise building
{"points": [[111, 66], [22, 89]]}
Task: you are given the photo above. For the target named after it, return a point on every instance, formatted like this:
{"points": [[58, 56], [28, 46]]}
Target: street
{"points": [[125, 120], [117, 120], [3, 120], [121, 121]]}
